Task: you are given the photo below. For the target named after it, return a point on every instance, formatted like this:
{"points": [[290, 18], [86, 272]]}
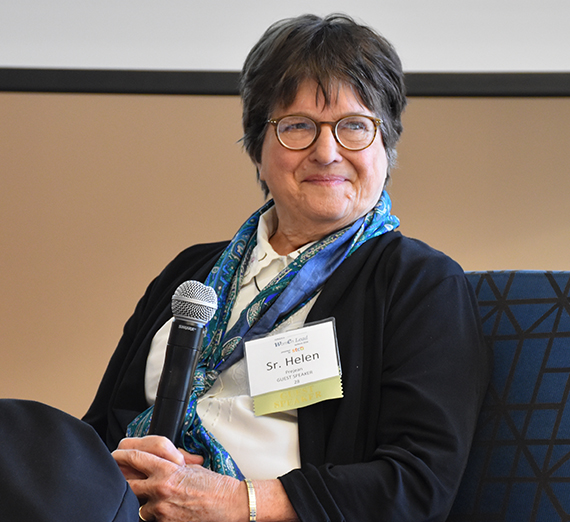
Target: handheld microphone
{"points": [[193, 305]]}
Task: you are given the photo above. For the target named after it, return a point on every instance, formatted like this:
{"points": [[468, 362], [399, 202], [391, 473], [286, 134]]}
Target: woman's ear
{"points": [[261, 182], [258, 168]]}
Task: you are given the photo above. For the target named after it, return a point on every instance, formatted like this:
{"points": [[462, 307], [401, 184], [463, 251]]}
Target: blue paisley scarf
{"points": [[289, 291]]}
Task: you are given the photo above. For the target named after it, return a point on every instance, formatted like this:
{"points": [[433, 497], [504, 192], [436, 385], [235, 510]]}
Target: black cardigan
{"points": [[415, 369]]}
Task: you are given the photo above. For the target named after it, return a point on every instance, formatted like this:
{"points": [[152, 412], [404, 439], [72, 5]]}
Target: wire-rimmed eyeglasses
{"points": [[355, 132]]}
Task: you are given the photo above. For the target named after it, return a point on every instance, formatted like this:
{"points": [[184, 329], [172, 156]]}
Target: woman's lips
{"points": [[329, 179]]}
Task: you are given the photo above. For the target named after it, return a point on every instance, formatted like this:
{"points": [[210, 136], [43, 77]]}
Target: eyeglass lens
{"points": [[352, 132]]}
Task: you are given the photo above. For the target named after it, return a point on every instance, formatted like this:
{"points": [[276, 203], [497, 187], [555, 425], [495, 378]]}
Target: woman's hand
{"points": [[173, 485]]}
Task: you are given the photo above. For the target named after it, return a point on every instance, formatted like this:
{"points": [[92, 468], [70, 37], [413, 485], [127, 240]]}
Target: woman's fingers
{"points": [[159, 446], [138, 464], [191, 458], [172, 484]]}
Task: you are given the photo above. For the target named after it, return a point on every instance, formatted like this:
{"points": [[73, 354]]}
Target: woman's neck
{"points": [[284, 245], [284, 242]]}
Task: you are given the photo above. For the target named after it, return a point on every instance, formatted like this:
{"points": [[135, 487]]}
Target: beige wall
{"points": [[99, 192]]}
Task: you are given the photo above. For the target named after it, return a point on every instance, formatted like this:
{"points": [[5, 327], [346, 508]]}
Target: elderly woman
{"points": [[322, 101]]}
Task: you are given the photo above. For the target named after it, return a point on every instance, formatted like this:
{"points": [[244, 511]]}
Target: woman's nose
{"points": [[326, 148]]}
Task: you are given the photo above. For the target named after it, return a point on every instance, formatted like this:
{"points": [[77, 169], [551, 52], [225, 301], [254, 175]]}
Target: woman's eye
{"points": [[354, 126], [296, 126]]}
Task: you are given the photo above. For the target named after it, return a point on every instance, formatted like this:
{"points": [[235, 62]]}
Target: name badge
{"points": [[294, 369]]}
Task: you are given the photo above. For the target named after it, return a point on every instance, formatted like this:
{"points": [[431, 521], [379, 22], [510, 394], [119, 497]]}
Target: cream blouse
{"points": [[263, 447]]}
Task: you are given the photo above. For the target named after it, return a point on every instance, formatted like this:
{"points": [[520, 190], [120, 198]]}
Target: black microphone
{"points": [[193, 305]]}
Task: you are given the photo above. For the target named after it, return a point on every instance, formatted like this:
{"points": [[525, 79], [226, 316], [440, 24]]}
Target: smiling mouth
{"points": [[326, 180]]}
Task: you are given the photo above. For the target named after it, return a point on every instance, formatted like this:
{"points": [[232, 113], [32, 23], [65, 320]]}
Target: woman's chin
{"points": [[334, 215]]}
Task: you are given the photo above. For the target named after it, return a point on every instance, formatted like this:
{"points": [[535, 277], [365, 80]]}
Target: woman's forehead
{"points": [[312, 96]]}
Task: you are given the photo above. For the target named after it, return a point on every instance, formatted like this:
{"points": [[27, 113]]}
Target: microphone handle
{"points": [[175, 386]]}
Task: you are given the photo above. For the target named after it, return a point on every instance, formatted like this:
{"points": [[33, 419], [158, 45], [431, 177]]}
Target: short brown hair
{"points": [[329, 50]]}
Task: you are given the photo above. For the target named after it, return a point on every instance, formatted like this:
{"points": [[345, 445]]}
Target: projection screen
{"points": [[146, 46]]}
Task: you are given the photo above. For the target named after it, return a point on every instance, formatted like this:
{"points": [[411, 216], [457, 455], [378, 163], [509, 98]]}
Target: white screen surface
{"points": [[430, 35]]}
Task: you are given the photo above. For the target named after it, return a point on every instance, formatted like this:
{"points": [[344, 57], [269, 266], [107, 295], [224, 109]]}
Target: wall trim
{"points": [[225, 83]]}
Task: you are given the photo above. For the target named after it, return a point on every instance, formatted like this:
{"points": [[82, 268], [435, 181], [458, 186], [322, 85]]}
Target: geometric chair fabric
{"points": [[519, 465]]}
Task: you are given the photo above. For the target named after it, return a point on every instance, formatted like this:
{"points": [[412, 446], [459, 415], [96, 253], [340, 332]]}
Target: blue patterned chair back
{"points": [[519, 467]]}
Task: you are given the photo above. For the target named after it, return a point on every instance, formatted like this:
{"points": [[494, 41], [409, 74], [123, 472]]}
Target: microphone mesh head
{"points": [[194, 302]]}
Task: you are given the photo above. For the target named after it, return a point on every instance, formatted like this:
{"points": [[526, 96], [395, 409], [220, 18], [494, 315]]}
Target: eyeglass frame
{"points": [[318, 124]]}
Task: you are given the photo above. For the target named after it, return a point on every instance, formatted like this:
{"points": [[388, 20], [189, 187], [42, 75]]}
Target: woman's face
{"points": [[325, 187]]}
